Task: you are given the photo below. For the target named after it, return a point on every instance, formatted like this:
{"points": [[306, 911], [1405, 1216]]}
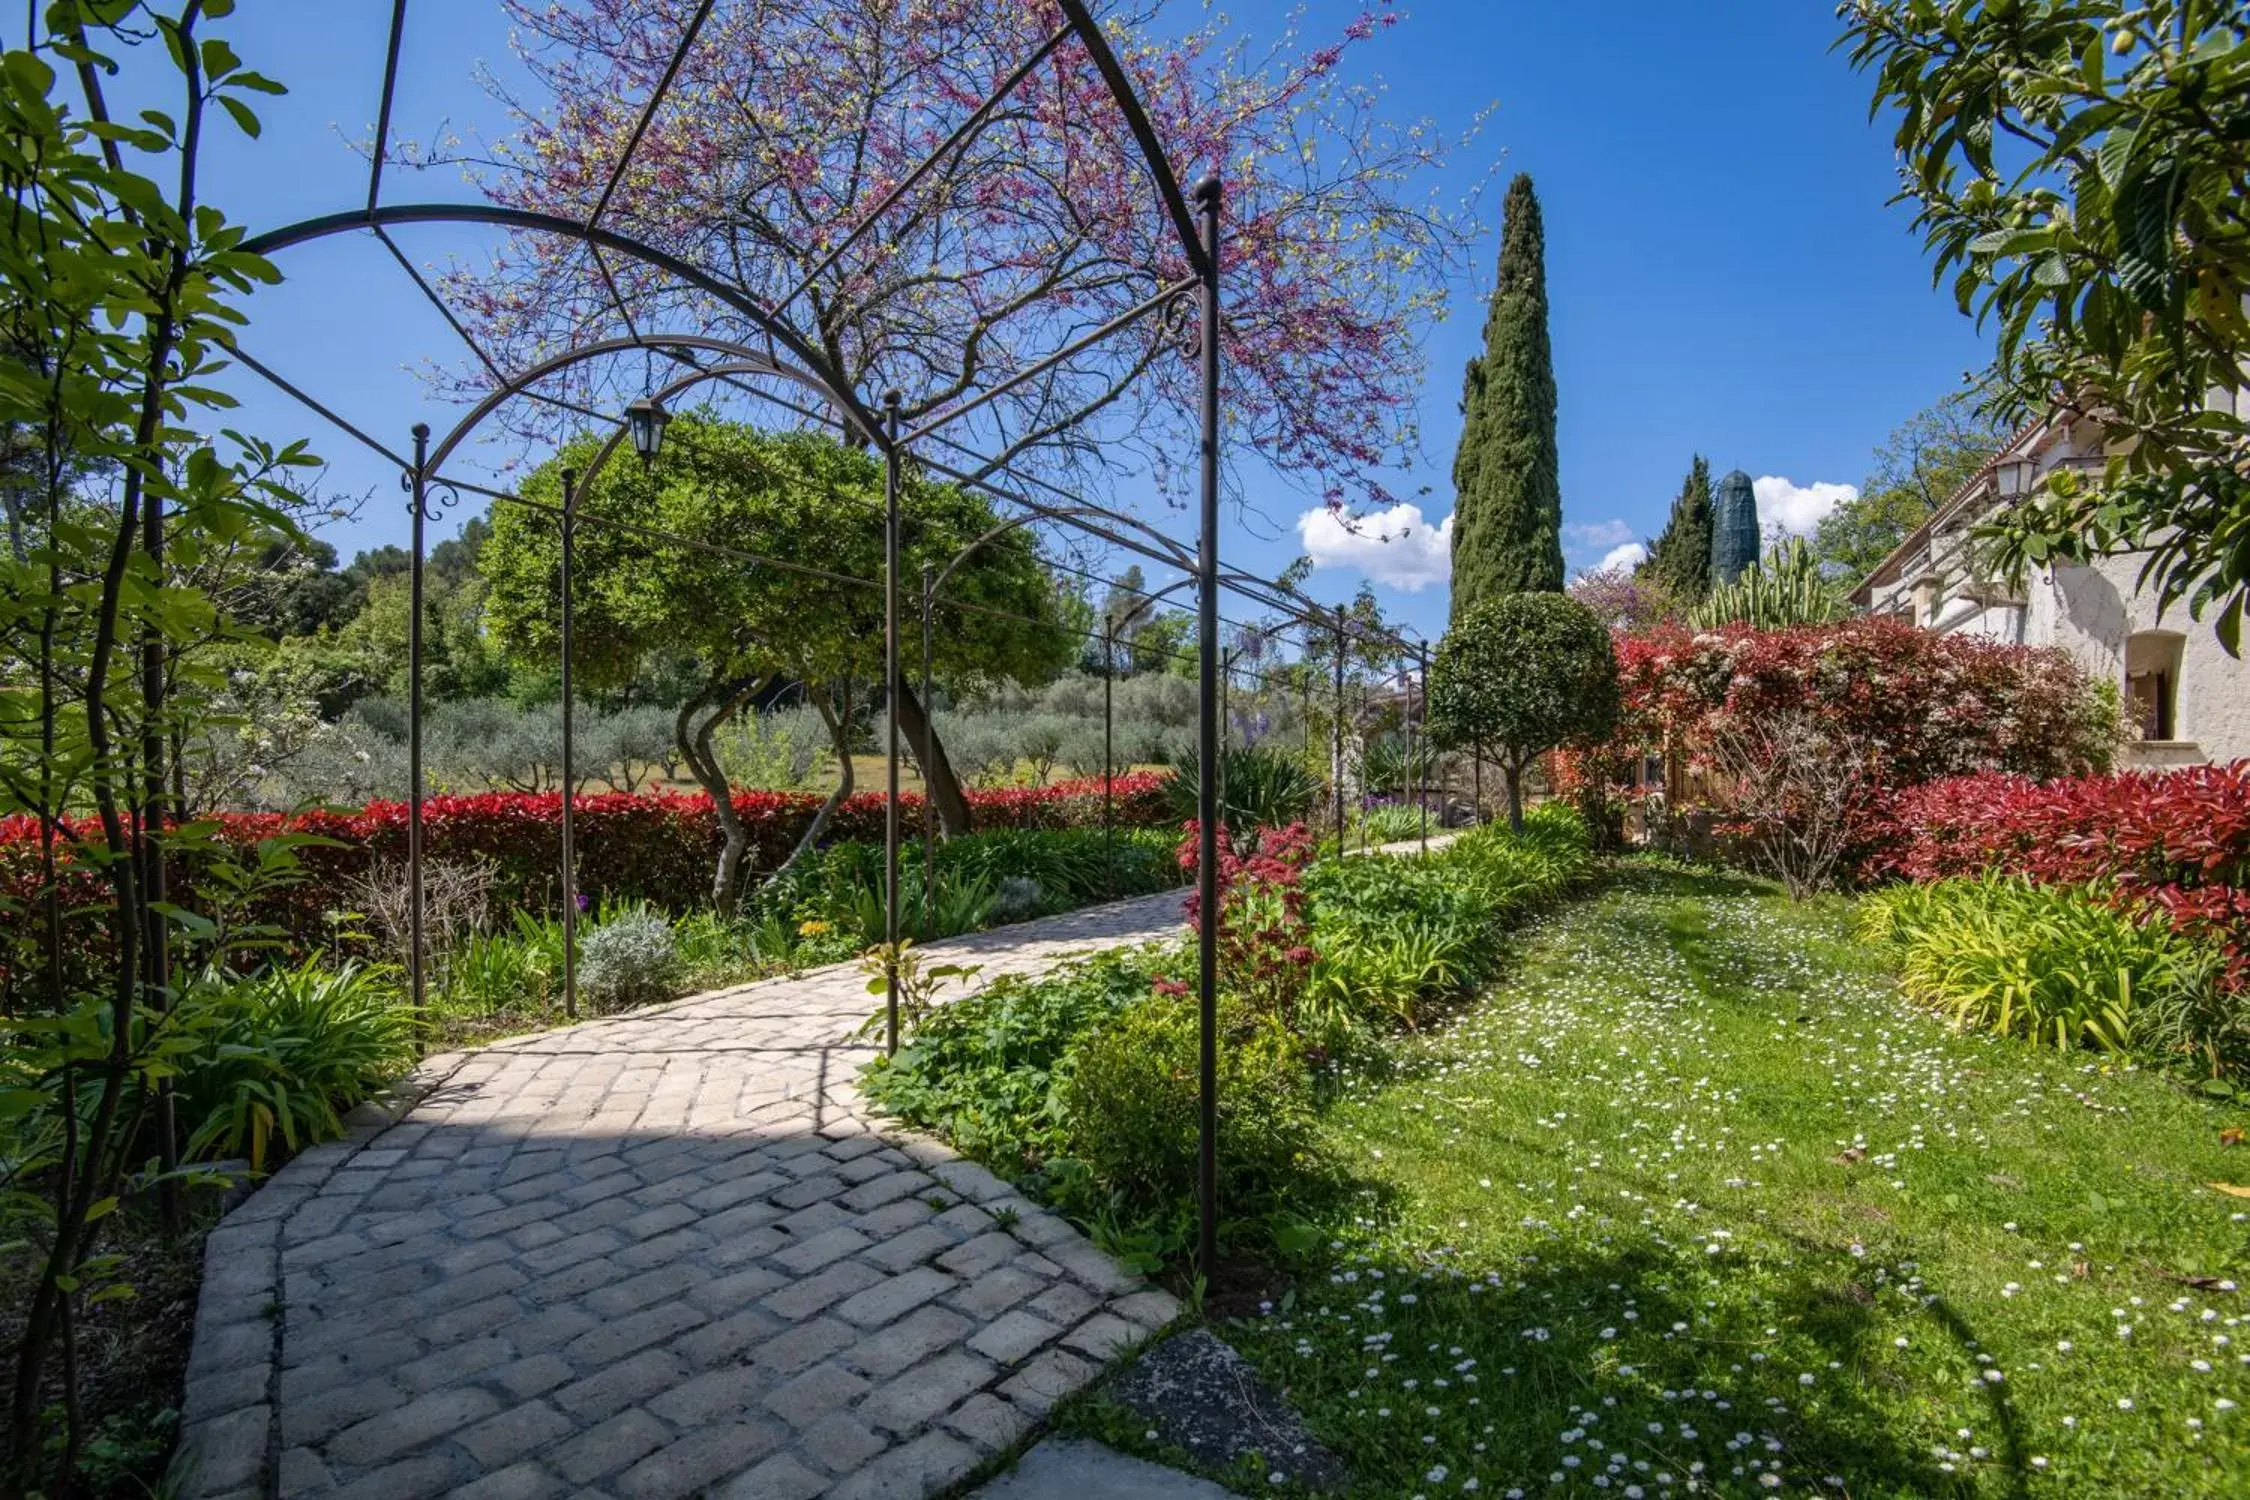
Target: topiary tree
{"points": [[1679, 561], [1519, 676], [799, 498], [1507, 520], [1734, 528]]}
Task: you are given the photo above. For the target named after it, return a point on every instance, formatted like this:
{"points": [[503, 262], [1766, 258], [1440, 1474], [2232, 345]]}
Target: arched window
{"points": [[2152, 683]]}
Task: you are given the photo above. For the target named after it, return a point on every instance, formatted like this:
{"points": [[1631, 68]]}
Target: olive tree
{"points": [[811, 615], [1518, 676]]}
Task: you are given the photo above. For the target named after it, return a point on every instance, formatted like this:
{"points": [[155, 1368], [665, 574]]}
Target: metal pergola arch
{"points": [[1197, 233]]}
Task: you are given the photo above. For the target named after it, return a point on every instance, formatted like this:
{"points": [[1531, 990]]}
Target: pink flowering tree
{"points": [[1625, 600], [790, 122]]}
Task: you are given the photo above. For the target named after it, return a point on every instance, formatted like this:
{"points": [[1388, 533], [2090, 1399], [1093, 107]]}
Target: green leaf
{"points": [[243, 117], [27, 75], [219, 59]]}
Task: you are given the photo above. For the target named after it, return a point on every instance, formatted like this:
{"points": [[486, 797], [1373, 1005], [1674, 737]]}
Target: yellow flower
{"points": [[812, 928]]}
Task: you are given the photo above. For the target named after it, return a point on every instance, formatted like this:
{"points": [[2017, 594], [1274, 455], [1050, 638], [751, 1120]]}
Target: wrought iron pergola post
{"points": [[1207, 197], [891, 684], [1336, 729], [569, 754], [154, 810], [1421, 797], [1226, 698], [1407, 779], [1109, 756], [418, 507], [929, 737]]}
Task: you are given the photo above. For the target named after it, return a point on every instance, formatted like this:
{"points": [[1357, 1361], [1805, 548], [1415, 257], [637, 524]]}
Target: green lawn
{"points": [[1695, 1203]]}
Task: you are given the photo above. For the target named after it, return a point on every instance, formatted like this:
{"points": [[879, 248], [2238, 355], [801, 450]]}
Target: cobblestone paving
{"points": [[661, 1255]]}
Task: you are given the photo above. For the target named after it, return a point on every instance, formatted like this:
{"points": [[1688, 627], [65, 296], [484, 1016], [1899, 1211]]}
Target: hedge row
{"points": [[2173, 841], [658, 847]]}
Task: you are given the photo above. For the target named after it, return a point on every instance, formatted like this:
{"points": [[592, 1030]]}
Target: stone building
{"points": [[2185, 700]]}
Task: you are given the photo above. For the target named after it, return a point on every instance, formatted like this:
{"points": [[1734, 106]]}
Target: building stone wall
{"points": [[2185, 700]]}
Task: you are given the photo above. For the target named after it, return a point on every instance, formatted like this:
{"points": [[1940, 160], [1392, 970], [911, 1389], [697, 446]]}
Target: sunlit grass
{"points": [[1697, 1203]]}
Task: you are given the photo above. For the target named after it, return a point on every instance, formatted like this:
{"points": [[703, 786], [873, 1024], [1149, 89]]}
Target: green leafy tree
{"points": [[1920, 466], [118, 292], [2080, 168], [804, 501], [1679, 561], [1507, 473], [1163, 642], [1519, 676]]}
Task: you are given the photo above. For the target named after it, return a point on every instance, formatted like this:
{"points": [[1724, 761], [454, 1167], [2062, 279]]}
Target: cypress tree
{"points": [[1681, 558], [1734, 528], [1507, 517]]}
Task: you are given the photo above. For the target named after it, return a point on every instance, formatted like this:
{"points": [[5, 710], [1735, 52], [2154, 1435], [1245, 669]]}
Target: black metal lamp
{"points": [[644, 422]]}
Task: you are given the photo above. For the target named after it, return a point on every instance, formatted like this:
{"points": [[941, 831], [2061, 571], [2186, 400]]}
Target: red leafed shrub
{"points": [[2174, 841], [1934, 705], [1916, 706], [652, 846], [1265, 932]]}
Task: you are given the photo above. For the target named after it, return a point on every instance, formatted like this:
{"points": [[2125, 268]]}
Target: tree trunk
{"points": [[939, 783], [840, 736], [1515, 793], [694, 743]]}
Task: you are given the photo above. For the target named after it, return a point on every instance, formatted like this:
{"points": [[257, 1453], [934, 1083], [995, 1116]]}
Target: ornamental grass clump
{"points": [[2058, 966], [275, 1060]]}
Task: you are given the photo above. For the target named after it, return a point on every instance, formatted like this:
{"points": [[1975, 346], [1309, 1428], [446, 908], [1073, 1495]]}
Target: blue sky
{"points": [[1725, 274]]}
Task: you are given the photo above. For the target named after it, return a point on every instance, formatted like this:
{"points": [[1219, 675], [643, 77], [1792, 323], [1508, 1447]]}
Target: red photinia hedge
{"points": [[657, 847], [2177, 841], [1927, 706], [1934, 705]]}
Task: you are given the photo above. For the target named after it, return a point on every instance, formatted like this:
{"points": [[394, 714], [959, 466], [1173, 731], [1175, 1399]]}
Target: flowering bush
{"points": [[2177, 842], [1265, 933]]}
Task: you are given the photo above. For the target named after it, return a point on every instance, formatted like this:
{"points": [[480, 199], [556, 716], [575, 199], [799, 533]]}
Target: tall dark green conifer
{"points": [[1681, 557], [1507, 518]]}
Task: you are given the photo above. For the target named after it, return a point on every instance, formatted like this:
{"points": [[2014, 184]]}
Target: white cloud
{"points": [[1592, 534], [1396, 547], [1631, 554], [1796, 509]]}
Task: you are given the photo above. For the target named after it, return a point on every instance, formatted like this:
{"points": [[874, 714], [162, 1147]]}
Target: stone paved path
{"points": [[661, 1255]]}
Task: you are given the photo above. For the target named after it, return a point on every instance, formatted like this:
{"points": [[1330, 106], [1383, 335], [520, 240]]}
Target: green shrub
{"points": [[282, 1056], [2051, 963], [981, 1070], [1005, 875], [493, 972], [628, 959], [1259, 788], [1086, 1086], [1391, 823], [1513, 873], [1129, 1100]]}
